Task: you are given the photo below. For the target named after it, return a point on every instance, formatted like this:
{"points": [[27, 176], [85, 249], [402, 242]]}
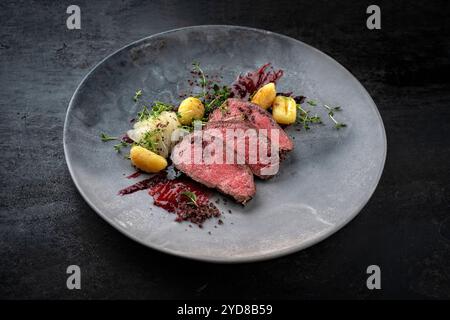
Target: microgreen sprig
{"points": [[306, 119], [312, 103], [137, 95], [213, 95], [191, 196], [150, 140], [122, 144], [338, 125], [118, 147], [143, 114], [200, 72], [106, 137], [157, 108], [220, 95]]}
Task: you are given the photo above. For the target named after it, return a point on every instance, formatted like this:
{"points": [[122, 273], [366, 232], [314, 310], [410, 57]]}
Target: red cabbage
{"points": [[245, 85]]}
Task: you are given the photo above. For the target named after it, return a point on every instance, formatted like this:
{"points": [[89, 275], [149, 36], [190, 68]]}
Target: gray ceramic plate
{"points": [[323, 184]]}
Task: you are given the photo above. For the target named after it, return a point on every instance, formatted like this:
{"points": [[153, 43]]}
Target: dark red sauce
{"points": [[169, 195], [141, 185], [134, 175]]}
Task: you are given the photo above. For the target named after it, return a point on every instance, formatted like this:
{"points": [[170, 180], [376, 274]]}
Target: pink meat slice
{"points": [[238, 135], [235, 110], [232, 179]]}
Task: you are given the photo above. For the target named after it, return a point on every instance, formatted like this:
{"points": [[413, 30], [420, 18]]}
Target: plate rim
{"points": [[228, 259]]}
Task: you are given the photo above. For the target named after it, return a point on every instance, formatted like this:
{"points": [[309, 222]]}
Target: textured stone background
{"points": [[45, 225]]}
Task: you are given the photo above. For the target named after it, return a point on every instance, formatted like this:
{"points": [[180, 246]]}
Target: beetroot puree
{"points": [[168, 194]]}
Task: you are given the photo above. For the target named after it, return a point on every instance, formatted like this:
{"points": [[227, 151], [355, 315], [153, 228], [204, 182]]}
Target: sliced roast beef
{"points": [[235, 109], [202, 157], [250, 146]]}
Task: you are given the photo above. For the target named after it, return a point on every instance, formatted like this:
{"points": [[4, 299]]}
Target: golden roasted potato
{"points": [[284, 110], [265, 96], [190, 109], [147, 160]]}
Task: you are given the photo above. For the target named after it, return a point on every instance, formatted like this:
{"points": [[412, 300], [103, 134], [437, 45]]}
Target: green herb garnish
{"points": [[160, 107], [137, 95], [305, 119], [191, 196], [144, 114], [203, 82], [213, 95], [338, 125], [106, 137], [220, 95], [118, 147], [157, 108], [150, 140]]}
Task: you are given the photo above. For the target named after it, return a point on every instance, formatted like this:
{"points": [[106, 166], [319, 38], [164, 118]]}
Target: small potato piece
{"points": [[190, 109], [265, 96], [147, 160], [284, 110]]}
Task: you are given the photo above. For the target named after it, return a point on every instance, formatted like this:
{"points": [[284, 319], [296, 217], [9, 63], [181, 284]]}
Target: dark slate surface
{"points": [[45, 225]]}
